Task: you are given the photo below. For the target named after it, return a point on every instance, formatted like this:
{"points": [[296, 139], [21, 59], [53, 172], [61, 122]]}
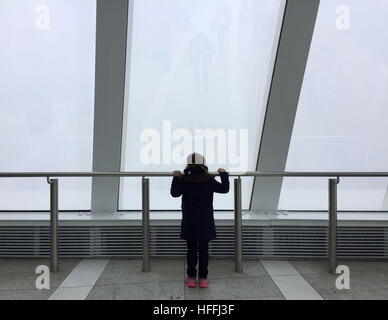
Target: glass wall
{"points": [[198, 81], [342, 118], [47, 61]]}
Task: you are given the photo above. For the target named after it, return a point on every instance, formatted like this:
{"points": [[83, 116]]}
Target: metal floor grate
{"points": [[258, 241]]}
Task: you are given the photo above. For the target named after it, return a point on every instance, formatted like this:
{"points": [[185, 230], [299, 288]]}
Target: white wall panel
{"points": [[342, 118], [46, 99], [196, 65]]}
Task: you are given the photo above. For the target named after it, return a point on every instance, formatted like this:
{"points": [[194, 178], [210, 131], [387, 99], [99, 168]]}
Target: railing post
{"points": [[237, 226], [146, 223], [53, 224], [333, 224]]}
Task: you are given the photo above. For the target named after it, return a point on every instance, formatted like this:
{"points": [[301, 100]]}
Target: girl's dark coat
{"points": [[197, 203]]}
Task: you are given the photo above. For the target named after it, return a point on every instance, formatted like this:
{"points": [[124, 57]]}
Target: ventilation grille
{"points": [[126, 241]]}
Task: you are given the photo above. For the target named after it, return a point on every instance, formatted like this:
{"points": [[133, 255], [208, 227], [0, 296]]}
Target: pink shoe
{"points": [[190, 282], [203, 283]]}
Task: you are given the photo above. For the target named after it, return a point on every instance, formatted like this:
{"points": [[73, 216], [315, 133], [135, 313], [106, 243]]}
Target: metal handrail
{"points": [[332, 207], [169, 174]]}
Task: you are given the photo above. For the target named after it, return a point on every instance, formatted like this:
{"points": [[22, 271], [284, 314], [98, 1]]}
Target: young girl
{"points": [[196, 186]]}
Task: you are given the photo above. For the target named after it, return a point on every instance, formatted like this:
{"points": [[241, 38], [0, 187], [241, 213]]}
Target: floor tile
{"points": [[70, 293], [235, 288], [279, 267], [320, 266], [33, 294], [86, 273], [359, 281], [29, 265], [310, 266], [225, 268], [161, 290], [130, 271], [27, 280], [365, 265], [295, 287], [356, 295]]}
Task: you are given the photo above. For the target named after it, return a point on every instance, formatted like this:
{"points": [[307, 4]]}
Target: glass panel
{"points": [[342, 118], [196, 65], [46, 99]]}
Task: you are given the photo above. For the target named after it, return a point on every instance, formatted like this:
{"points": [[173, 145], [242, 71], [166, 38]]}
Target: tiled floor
{"points": [[81, 280], [368, 279], [17, 278], [124, 279], [289, 281]]}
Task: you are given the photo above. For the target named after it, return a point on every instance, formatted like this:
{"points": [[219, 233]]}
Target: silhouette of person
{"points": [[197, 186], [200, 52]]}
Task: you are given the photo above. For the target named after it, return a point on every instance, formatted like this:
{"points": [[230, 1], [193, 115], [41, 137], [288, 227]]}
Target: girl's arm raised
{"points": [[176, 188]]}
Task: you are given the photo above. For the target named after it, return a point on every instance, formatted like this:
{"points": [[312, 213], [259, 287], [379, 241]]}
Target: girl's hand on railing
{"points": [[221, 170], [177, 173]]}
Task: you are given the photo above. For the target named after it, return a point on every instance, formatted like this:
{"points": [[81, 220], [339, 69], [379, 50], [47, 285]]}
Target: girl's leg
{"points": [[203, 258], [191, 259]]}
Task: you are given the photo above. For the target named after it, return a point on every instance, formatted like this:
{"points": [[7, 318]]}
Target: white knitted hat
{"points": [[195, 158]]}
